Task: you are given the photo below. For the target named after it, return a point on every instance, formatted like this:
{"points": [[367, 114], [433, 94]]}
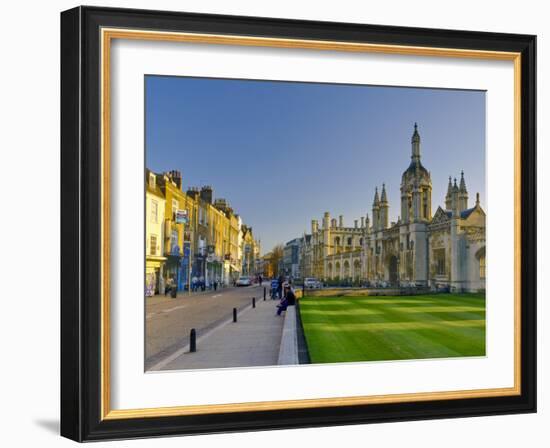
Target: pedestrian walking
{"points": [[274, 286], [170, 284], [202, 283], [280, 281]]}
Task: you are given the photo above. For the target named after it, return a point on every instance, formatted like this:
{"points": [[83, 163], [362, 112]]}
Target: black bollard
{"points": [[193, 341], [264, 292], [253, 302], [234, 314]]}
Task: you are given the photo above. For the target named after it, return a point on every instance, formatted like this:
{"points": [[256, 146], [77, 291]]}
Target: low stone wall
{"points": [[288, 352], [360, 292]]}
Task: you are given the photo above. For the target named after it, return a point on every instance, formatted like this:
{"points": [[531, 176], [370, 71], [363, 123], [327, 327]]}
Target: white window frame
{"points": [[154, 211]]}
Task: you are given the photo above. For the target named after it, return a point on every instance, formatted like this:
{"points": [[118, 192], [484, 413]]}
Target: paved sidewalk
{"points": [[168, 323], [254, 340]]}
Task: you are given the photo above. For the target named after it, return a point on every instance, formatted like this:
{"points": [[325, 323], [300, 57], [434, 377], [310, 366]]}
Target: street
{"points": [[168, 321]]}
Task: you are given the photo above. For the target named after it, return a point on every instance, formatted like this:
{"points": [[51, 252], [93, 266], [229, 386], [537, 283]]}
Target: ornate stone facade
{"points": [[444, 250]]}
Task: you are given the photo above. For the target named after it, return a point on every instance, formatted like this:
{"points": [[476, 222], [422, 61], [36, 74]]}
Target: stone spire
{"points": [[462, 183], [384, 209], [449, 195], [376, 198], [454, 199], [462, 194], [384, 197], [376, 211], [477, 199], [415, 143]]}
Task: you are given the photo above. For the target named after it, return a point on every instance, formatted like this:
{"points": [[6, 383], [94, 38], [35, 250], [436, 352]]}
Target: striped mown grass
{"points": [[351, 329]]}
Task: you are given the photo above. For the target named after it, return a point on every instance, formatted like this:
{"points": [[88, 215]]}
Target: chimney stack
{"points": [[207, 193], [193, 192], [175, 176]]}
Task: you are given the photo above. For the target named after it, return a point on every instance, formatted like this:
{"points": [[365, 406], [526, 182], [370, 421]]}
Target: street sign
{"points": [[182, 217]]}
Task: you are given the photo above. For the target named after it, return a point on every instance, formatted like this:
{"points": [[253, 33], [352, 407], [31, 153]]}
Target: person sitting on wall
{"points": [[289, 299], [290, 296]]}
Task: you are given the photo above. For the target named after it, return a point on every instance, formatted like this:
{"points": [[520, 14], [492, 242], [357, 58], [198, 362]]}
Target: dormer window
{"points": [[151, 180]]}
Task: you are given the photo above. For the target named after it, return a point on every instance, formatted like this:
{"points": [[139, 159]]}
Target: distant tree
{"points": [[276, 258]]}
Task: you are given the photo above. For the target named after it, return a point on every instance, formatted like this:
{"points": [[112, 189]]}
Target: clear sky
{"points": [[283, 153]]}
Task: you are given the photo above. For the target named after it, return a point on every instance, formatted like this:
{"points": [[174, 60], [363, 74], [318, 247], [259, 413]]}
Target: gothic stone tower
{"points": [[416, 213]]}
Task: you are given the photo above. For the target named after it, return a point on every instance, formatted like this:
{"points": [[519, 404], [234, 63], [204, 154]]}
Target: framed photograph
{"points": [[273, 223]]}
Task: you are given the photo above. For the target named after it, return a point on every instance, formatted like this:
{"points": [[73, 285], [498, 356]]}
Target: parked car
{"points": [[312, 283], [243, 281]]}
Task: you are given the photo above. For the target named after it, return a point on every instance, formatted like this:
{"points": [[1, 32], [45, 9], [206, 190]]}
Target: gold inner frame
{"points": [[107, 35]]}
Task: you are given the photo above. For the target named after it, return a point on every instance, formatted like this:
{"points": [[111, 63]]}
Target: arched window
{"points": [[337, 241], [350, 241], [361, 242], [439, 256], [357, 269], [346, 269]]}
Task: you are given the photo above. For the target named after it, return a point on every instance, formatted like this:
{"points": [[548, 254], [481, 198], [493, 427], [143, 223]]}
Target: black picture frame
{"points": [[81, 224]]}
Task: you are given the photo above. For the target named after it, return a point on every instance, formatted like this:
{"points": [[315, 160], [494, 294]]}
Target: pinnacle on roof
{"points": [[462, 183], [450, 187], [376, 198], [384, 197]]}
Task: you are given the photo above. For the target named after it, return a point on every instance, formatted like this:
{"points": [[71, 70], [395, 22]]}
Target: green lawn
{"points": [[344, 329]]}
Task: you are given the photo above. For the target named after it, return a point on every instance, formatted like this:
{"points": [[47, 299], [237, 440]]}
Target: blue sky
{"points": [[283, 153]]}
